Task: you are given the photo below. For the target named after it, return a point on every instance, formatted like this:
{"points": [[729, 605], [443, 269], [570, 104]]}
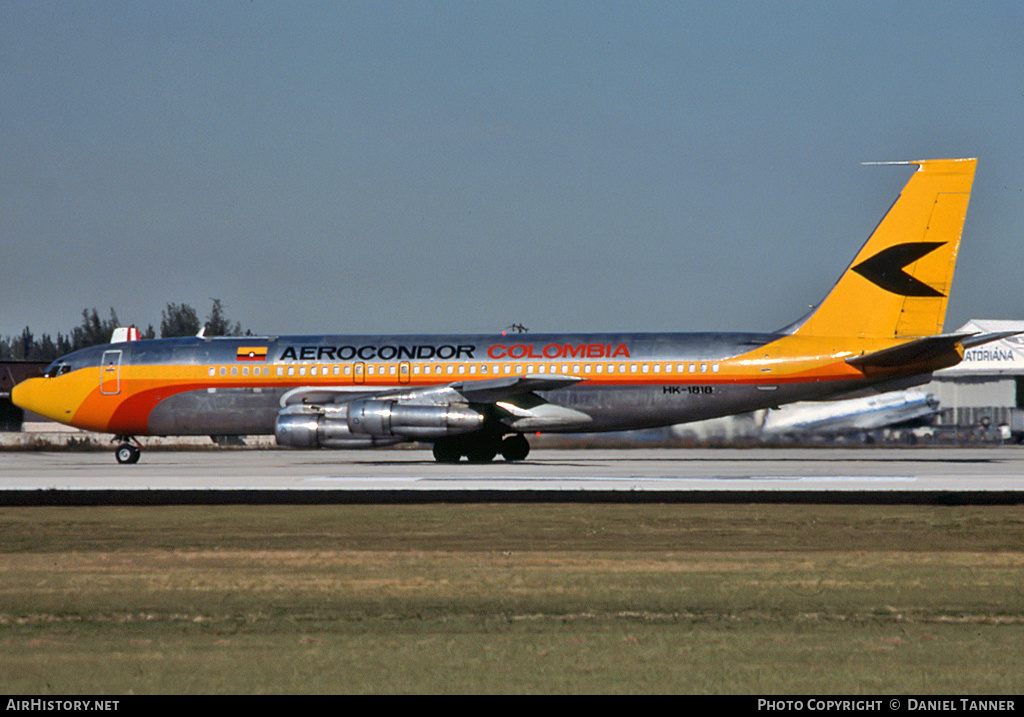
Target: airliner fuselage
{"points": [[599, 382]]}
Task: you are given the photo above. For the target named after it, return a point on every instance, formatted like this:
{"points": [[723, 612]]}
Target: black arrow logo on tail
{"points": [[886, 268]]}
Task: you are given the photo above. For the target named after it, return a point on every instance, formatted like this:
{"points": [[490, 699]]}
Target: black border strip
{"points": [[98, 497]]}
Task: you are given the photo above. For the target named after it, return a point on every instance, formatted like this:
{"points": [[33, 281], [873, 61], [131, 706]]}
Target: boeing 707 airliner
{"points": [[475, 396]]}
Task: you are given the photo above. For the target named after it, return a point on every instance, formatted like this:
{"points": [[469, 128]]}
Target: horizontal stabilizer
{"points": [[921, 351], [927, 354]]}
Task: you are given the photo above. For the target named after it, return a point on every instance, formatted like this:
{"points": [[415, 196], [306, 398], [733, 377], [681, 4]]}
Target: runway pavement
{"points": [[822, 475]]}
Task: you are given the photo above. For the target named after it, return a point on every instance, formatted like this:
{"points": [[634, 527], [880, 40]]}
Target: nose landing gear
{"points": [[127, 452]]}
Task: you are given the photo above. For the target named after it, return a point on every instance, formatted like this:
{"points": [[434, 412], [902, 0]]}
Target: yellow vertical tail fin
{"points": [[898, 284]]}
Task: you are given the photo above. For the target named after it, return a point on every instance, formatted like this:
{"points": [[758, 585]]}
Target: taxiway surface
{"points": [[946, 475]]}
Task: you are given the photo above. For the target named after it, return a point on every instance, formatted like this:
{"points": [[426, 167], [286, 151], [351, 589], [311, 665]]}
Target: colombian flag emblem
{"points": [[252, 353]]}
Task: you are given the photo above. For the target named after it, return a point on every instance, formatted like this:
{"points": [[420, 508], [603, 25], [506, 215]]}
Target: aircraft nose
{"points": [[29, 395], [21, 395]]}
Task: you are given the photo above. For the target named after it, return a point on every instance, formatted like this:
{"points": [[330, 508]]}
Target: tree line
{"points": [[175, 320]]}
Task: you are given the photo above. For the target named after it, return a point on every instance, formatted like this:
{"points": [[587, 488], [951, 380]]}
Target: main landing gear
{"points": [[481, 448], [127, 452]]}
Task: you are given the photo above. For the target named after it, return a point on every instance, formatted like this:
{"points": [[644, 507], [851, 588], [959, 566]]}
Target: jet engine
{"points": [[377, 417], [366, 423], [309, 428]]}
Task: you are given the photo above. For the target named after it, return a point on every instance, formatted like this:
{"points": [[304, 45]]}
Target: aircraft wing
{"points": [[514, 398], [318, 395], [497, 389], [489, 390], [520, 408]]}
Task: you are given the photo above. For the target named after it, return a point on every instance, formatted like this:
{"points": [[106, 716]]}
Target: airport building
{"points": [[987, 387]]}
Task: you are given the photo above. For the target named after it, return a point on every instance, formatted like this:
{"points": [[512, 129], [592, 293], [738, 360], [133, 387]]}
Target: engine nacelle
{"points": [[375, 417], [307, 429]]}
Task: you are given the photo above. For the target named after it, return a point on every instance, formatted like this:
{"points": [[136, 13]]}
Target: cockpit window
{"points": [[57, 368]]}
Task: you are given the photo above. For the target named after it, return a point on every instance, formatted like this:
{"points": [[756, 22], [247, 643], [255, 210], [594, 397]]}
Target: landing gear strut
{"points": [[127, 452], [481, 448]]}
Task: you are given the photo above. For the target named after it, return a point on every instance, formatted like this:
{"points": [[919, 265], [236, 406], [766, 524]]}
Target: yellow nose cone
{"points": [[37, 395]]}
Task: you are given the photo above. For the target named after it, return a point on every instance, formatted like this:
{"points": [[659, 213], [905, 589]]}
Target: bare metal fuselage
{"points": [[203, 386]]}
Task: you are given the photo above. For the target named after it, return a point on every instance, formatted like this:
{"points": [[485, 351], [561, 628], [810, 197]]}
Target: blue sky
{"points": [[394, 167]]}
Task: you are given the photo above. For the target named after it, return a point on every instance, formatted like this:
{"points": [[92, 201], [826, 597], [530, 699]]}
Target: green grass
{"points": [[512, 598]]}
